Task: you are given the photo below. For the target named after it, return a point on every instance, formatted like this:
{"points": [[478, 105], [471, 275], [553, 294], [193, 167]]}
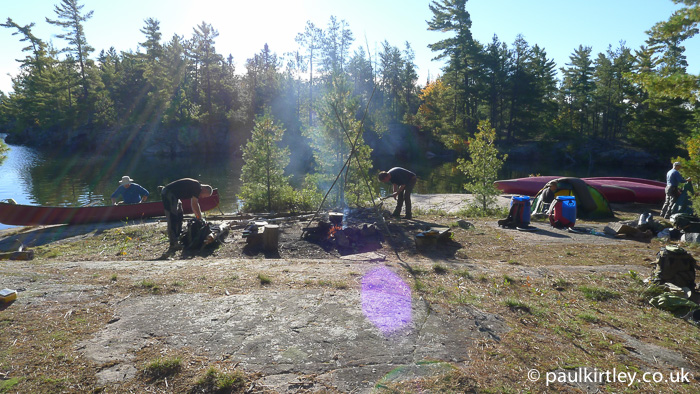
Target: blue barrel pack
{"points": [[564, 212], [520, 210]]}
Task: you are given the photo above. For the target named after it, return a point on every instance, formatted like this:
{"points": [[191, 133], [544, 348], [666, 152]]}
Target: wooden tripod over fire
{"points": [[353, 149]]}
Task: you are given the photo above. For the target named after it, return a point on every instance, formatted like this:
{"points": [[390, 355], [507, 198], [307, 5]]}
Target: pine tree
{"points": [[463, 53], [312, 40], [577, 88], [483, 166], [264, 185], [71, 19]]}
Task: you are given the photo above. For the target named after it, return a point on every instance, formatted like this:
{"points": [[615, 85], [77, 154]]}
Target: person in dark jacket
{"points": [[172, 194], [403, 182]]}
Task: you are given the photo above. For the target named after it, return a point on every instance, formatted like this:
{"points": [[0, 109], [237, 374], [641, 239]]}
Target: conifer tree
{"points": [[71, 18], [264, 185], [463, 55], [483, 166]]}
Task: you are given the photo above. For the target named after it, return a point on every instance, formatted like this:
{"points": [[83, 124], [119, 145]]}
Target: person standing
{"points": [[172, 194], [673, 181], [131, 193], [403, 182]]}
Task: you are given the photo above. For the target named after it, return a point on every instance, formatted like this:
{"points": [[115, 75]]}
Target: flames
{"points": [[333, 230], [336, 224]]}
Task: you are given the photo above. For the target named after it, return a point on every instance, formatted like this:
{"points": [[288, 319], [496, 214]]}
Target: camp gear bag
{"points": [[563, 212], [674, 265], [519, 214], [686, 222], [195, 234]]}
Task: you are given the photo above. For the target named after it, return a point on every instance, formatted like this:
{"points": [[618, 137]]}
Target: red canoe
{"points": [[32, 215], [524, 186], [615, 189], [645, 193]]}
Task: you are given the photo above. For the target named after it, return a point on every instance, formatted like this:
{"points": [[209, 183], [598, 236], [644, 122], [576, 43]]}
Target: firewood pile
{"points": [[344, 231]]}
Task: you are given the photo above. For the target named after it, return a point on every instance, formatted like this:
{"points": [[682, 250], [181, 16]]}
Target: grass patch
{"points": [[464, 273], [216, 381], [418, 271], [514, 304], [149, 285], [7, 385], [466, 299], [561, 282], [598, 293], [588, 317], [336, 284], [634, 275], [264, 279], [163, 367], [440, 269], [652, 291], [454, 381]]}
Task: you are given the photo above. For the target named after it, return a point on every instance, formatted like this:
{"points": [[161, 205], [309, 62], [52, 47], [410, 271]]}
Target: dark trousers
{"points": [[173, 215], [405, 195], [672, 194]]}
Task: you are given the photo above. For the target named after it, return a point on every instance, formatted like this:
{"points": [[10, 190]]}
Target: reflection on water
{"points": [[32, 177], [15, 178]]}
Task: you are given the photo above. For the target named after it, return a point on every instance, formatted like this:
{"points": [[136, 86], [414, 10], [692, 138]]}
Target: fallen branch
{"points": [[21, 255]]}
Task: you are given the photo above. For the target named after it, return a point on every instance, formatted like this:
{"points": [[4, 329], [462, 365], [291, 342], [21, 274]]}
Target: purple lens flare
{"points": [[386, 300]]}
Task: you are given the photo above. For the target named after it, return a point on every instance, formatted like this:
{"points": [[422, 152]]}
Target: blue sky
{"points": [[558, 26]]}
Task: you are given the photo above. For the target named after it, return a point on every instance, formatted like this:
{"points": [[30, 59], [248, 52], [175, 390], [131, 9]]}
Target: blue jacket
{"points": [[132, 194], [673, 178]]}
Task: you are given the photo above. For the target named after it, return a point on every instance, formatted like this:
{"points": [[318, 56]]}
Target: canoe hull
{"points": [[31, 215], [615, 189]]}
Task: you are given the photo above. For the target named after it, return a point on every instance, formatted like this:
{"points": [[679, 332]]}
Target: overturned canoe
{"points": [[32, 215], [615, 189]]}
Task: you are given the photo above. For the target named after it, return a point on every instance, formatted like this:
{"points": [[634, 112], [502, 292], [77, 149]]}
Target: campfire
{"points": [[338, 231]]}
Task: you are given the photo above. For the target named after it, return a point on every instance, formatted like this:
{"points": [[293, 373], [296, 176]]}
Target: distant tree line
{"points": [[644, 97], [183, 94]]}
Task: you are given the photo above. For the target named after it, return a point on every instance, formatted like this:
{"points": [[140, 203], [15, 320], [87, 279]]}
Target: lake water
{"points": [[32, 177]]}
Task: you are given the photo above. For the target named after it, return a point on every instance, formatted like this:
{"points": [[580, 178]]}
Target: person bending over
{"points": [[172, 194], [403, 182]]}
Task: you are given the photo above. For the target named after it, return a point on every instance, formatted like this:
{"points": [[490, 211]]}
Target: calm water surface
{"points": [[32, 177]]}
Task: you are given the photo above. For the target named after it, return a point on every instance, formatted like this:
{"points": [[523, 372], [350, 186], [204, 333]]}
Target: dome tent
{"points": [[590, 203]]}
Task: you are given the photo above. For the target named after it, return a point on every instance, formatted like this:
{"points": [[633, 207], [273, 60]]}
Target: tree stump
{"points": [[270, 237]]}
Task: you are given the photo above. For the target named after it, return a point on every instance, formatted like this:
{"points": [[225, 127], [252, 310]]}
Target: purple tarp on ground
{"points": [[386, 300]]}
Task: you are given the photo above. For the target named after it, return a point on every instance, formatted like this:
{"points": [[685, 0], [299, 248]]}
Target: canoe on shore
{"points": [[615, 189], [32, 215]]}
